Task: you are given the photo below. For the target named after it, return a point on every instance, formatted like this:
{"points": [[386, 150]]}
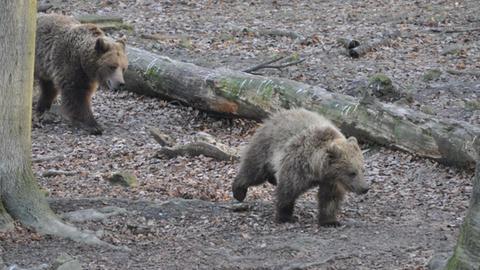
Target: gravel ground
{"points": [[414, 208]]}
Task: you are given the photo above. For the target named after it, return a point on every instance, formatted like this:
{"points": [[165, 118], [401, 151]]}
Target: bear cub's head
{"points": [[112, 62], [345, 165]]}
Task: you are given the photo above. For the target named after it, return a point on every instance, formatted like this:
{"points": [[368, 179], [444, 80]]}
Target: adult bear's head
{"points": [[112, 62]]}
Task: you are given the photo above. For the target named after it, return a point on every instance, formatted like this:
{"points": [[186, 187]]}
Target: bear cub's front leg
{"points": [[329, 200]]}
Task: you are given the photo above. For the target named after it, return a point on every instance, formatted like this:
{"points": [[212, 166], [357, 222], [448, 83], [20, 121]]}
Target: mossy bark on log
{"points": [[245, 95], [466, 255]]}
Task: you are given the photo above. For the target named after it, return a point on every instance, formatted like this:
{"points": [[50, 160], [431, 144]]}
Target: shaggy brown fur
{"points": [[299, 150], [74, 59]]}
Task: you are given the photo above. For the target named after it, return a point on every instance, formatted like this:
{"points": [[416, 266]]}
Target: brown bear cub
{"points": [[73, 59], [298, 150]]}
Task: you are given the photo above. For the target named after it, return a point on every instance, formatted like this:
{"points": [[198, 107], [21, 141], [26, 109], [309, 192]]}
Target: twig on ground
{"points": [[455, 30]]}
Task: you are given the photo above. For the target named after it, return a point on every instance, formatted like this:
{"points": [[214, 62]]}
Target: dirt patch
{"points": [[179, 215]]}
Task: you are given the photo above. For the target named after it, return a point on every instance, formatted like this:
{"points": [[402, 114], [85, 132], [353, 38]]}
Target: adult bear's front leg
{"points": [[76, 105]]}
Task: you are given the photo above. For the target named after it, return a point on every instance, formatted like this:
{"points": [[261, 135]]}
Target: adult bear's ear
{"points": [[101, 46], [122, 41]]}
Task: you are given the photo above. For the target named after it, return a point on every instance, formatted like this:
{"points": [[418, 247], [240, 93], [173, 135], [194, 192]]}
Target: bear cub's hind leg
{"points": [[250, 175]]}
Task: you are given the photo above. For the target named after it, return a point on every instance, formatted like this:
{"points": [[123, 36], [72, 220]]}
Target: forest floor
{"points": [[181, 215]]}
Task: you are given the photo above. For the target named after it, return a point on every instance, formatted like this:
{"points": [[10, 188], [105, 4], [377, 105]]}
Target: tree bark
{"points": [[240, 94], [467, 252], [19, 192]]}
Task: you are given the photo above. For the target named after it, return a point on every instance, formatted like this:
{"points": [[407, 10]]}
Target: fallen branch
{"points": [[195, 149], [161, 138], [364, 49], [47, 158], [51, 173], [234, 93], [464, 72], [269, 63], [273, 33]]}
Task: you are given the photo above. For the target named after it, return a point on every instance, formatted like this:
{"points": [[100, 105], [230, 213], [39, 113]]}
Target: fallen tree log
{"points": [[245, 95]]}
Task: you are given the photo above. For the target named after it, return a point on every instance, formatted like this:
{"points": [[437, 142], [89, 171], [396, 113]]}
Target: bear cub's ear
{"points": [[334, 152], [101, 46], [352, 140]]}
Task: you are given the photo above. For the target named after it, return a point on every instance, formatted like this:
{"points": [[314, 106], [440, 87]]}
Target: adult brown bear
{"points": [[298, 150], [73, 59]]}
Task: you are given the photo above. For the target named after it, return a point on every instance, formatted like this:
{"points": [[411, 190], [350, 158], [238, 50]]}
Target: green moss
{"points": [[265, 93], [432, 75], [472, 104], [125, 179], [186, 43], [151, 72], [381, 79]]}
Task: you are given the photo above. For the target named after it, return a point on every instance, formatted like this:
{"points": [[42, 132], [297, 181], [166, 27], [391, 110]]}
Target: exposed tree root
{"points": [[6, 221], [25, 202]]}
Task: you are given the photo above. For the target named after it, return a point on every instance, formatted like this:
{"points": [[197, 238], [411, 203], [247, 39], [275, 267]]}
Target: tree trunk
{"points": [[240, 94], [19, 192], [467, 252]]}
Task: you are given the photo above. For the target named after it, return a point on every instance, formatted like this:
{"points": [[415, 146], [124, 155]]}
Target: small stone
{"points": [[438, 261], [427, 109], [125, 179]]}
